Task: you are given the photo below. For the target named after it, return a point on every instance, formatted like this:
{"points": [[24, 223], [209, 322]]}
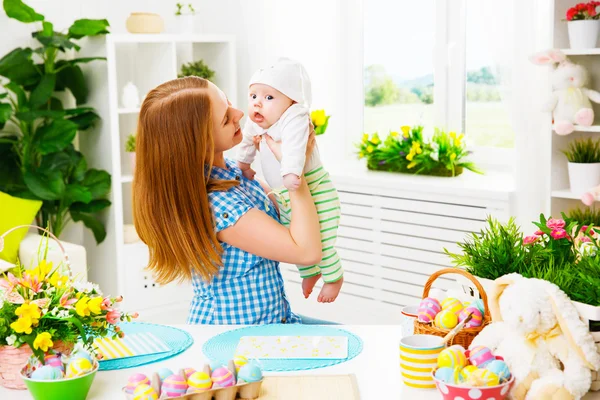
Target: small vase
{"points": [[12, 359], [130, 97], [185, 23], [139, 22], [583, 177], [583, 34]]}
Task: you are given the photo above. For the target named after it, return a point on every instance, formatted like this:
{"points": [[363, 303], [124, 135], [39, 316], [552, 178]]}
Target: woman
{"points": [[202, 220]]}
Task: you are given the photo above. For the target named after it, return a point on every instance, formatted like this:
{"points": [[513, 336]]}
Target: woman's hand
{"points": [[276, 147]]}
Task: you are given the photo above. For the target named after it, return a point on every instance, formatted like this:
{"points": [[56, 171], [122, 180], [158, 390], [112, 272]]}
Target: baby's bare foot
{"points": [[330, 291], [308, 285]]}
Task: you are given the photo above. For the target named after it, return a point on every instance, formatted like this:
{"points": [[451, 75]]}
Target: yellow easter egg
{"points": [[453, 305], [239, 361], [467, 371], [144, 392], [446, 319], [482, 377], [451, 358], [78, 366]]}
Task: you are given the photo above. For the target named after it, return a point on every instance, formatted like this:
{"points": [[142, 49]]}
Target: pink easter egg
{"points": [[223, 377], [428, 309], [480, 356], [135, 380], [54, 361], [174, 386], [476, 319]]}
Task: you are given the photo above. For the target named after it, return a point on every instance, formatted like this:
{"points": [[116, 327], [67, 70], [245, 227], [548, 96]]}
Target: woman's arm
{"points": [[267, 189]]}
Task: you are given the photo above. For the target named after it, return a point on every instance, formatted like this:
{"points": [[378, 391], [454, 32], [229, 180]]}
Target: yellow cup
{"points": [[418, 357]]}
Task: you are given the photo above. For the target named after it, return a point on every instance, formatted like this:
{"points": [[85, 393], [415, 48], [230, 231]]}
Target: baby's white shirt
{"points": [[292, 130]]}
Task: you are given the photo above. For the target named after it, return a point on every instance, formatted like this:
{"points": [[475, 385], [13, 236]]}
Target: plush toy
{"points": [[591, 196], [570, 102], [538, 332]]}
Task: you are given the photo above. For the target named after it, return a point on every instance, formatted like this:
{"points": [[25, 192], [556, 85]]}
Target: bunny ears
{"points": [[548, 57]]}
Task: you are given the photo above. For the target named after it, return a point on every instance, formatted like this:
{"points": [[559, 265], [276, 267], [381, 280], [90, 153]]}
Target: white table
{"points": [[380, 347]]}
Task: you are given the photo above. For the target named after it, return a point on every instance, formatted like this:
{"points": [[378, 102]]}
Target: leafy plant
{"points": [[443, 155], [37, 157], [130, 144], [180, 7], [587, 216], [320, 120], [197, 68], [583, 151]]}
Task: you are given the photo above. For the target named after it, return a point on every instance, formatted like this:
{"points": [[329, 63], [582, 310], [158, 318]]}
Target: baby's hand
{"points": [[246, 170], [291, 182]]}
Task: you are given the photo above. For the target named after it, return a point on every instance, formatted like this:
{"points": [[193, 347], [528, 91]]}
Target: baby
{"points": [[279, 104]]}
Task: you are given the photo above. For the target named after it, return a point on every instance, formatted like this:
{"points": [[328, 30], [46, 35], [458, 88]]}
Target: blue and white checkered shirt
{"points": [[249, 289]]}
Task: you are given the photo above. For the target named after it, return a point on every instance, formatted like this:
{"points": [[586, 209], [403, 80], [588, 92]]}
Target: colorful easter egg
{"points": [[55, 361], [482, 377], [82, 354], [175, 385], [451, 358], [453, 305], [467, 371], [250, 373], [239, 362], [428, 309], [480, 356], [479, 304], [135, 380], [500, 368], [199, 381], [78, 367], [188, 372], [476, 318], [144, 392], [446, 319], [448, 375], [164, 373], [46, 373], [223, 377]]}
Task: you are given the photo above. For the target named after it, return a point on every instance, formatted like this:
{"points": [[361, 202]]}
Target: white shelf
{"points": [[582, 52], [579, 128], [565, 194], [168, 38], [127, 178], [128, 110]]}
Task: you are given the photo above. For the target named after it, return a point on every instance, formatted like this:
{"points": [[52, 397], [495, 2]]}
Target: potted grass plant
{"points": [[583, 156]]}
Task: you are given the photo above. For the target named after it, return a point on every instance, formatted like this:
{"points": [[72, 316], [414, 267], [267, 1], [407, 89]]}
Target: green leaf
{"points": [[19, 67], [56, 104], [55, 136], [72, 78], [56, 40], [30, 116], [92, 223], [85, 120], [88, 27], [60, 160], [77, 193], [75, 61], [98, 182], [92, 207], [21, 12], [80, 169], [5, 113], [48, 28], [42, 93], [19, 92], [79, 326], [49, 186]]}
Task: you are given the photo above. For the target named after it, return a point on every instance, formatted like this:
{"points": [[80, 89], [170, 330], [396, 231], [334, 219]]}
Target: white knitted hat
{"points": [[287, 76]]}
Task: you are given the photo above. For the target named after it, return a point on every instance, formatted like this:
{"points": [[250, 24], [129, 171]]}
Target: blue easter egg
{"points": [[448, 375], [500, 368], [164, 373], [46, 373], [250, 373]]}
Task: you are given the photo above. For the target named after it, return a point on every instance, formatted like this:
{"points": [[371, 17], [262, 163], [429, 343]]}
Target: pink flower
{"points": [[585, 228], [559, 234], [555, 223], [106, 303], [9, 283], [530, 239], [585, 239], [113, 317], [65, 302], [135, 315], [31, 282], [539, 232]]}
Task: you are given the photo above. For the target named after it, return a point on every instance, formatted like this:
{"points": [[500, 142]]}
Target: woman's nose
{"points": [[238, 114]]}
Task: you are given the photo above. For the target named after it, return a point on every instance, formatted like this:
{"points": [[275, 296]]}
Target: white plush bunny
{"points": [[538, 332], [570, 102]]}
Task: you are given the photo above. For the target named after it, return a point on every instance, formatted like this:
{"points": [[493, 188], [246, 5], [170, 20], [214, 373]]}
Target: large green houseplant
{"points": [[37, 157]]}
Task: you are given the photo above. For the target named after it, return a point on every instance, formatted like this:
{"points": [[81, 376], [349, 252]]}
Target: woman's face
{"points": [[226, 120]]}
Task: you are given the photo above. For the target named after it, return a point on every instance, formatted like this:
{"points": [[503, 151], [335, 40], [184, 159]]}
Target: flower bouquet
{"points": [[320, 120], [408, 152]]}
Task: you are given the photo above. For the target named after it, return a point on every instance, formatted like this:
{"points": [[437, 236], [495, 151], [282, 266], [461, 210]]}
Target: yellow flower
{"points": [[94, 305], [370, 149], [405, 130], [394, 134], [365, 137], [81, 307], [318, 117], [43, 341], [30, 311], [452, 156], [412, 164], [22, 325], [41, 270], [361, 154], [58, 280], [461, 136], [375, 139], [416, 147], [453, 135], [410, 155]]}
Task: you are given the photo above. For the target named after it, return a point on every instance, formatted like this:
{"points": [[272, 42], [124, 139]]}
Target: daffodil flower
{"points": [[453, 135], [394, 134], [94, 305], [365, 137], [370, 149], [81, 308], [43, 341], [405, 130], [375, 140], [361, 155], [22, 325], [411, 165], [57, 280], [28, 310]]}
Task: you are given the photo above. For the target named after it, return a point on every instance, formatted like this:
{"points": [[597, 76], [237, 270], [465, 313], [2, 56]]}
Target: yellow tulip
{"points": [[30, 311], [405, 130], [394, 134], [412, 164], [22, 325], [94, 305], [81, 307], [318, 117], [43, 341], [370, 149], [375, 140]]}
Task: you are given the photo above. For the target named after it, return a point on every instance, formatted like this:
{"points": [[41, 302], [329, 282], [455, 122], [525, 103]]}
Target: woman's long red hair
{"points": [[174, 155]]}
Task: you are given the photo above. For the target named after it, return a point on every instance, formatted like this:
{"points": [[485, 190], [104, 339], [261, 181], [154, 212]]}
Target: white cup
{"points": [[409, 314]]}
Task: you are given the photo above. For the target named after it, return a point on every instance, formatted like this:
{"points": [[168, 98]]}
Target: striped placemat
{"points": [[136, 344]]}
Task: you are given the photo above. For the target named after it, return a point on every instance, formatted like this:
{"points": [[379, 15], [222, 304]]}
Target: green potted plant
{"points": [[185, 16], [130, 148], [197, 68], [583, 156], [37, 156]]}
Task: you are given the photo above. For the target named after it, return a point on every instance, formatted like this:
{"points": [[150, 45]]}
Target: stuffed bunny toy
{"points": [[588, 198], [538, 332], [570, 102]]}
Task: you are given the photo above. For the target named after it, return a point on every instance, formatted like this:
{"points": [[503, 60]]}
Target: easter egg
{"points": [[223, 377], [458, 347], [144, 392], [199, 381], [446, 319], [479, 304], [78, 367], [47, 373], [466, 372], [451, 358], [480, 356], [453, 305], [482, 377], [82, 354], [175, 385], [54, 360], [239, 362], [188, 372], [448, 375], [428, 309], [135, 380], [500, 368], [164, 373], [476, 318], [250, 373]]}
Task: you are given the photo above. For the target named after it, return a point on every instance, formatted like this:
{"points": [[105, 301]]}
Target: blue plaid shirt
{"points": [[249, 289]]}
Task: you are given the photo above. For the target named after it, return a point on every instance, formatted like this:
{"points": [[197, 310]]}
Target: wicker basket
{"points": [[12, 359], [465, 336]]}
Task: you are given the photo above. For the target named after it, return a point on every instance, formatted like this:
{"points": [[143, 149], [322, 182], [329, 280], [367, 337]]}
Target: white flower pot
{"points": [[186, 23], [583, 34], [583, 177]]}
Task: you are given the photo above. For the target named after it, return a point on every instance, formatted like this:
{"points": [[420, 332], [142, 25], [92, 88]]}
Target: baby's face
{"points": [[266, 105]]}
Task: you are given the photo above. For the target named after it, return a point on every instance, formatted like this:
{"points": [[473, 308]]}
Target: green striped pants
{"points": [[327, 202]]}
